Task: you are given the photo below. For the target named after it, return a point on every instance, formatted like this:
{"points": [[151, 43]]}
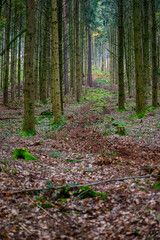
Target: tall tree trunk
{"points": [[138, 57], [66, 83], [73, 73], [36, 56], [56, 100], [154, 56], [29, 118], [60, 22], [78, 57], [146, 48], [89, 58], [121, 92], [7, 34], [19, 57], [44, 56], [102, 68]]}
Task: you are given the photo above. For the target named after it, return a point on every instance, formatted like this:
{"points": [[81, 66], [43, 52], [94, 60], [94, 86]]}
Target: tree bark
{"points": [[66, 83], [56, 96], [121, 96], [146, 48], [73, 61], [60, 22], [89, 59], [138, 58], [154, 56], [19, 57], [29, 118], [7, 34], [78, 57]]}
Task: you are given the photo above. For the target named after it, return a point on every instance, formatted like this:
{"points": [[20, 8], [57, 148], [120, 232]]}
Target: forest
{"points": [[80, 119]]}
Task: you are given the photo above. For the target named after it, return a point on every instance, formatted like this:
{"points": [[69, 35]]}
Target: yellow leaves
{"points": [[95, 34]]}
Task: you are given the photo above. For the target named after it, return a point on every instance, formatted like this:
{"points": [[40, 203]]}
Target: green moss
{"points": [[141, 115], [47, 113], [81, 193], [28, 133], [156, 185], [87, 192], [23, 153]]}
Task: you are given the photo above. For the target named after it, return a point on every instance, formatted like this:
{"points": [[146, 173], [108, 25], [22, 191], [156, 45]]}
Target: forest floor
{"points": [[84, 148]]}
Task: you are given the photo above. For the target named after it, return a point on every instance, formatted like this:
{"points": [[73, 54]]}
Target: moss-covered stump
{"points": [[23, 153]]}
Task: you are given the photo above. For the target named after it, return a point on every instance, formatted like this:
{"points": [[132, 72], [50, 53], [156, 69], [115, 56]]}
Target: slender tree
{"points": [[121, 92], [56, 96], [29, 118], [154, 56], [73, 60], [60, 37], [146, 48], [7, 34], [89, 58], [78, 57], [138, 57], [66, 83]]}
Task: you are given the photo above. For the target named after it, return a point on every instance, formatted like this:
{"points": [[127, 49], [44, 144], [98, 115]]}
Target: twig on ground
{"points": [[41, 208], [80, 185], [25, 228]]}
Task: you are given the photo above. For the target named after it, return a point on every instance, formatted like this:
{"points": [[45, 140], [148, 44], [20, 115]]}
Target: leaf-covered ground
{"points": [[83, 148]]}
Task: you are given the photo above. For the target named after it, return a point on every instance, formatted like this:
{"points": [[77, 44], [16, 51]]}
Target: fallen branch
{"points": [[80, 185], [41, 208], [24, 228]]}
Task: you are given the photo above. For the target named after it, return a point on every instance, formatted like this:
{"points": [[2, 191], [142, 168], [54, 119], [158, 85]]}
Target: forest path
{"points": [[82, 148]]}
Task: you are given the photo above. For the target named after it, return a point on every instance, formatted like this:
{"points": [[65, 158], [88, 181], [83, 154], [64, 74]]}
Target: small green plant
{"points": [[87, 192], [28, 133], [23, 153], [63, 193], [141, 115], [49, 185], [47, 113], [102, 81], [81, 193], [156, 185], [121, 131], [56, 154], [118, 123], [113, 154]]}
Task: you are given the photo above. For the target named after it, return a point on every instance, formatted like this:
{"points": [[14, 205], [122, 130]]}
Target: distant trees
{"points": [[140, 43], [113, 36]]}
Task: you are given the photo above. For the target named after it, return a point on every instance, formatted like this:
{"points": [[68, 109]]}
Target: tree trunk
{"points": [[36, 57], [154, 56], [78, 57], [60, 21], [89, 58], [56, 100], [73, 73], [146, 48], [7, 34], [66, 83], [29, 118], [19, 57], [121, 92], [138, 58]]}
